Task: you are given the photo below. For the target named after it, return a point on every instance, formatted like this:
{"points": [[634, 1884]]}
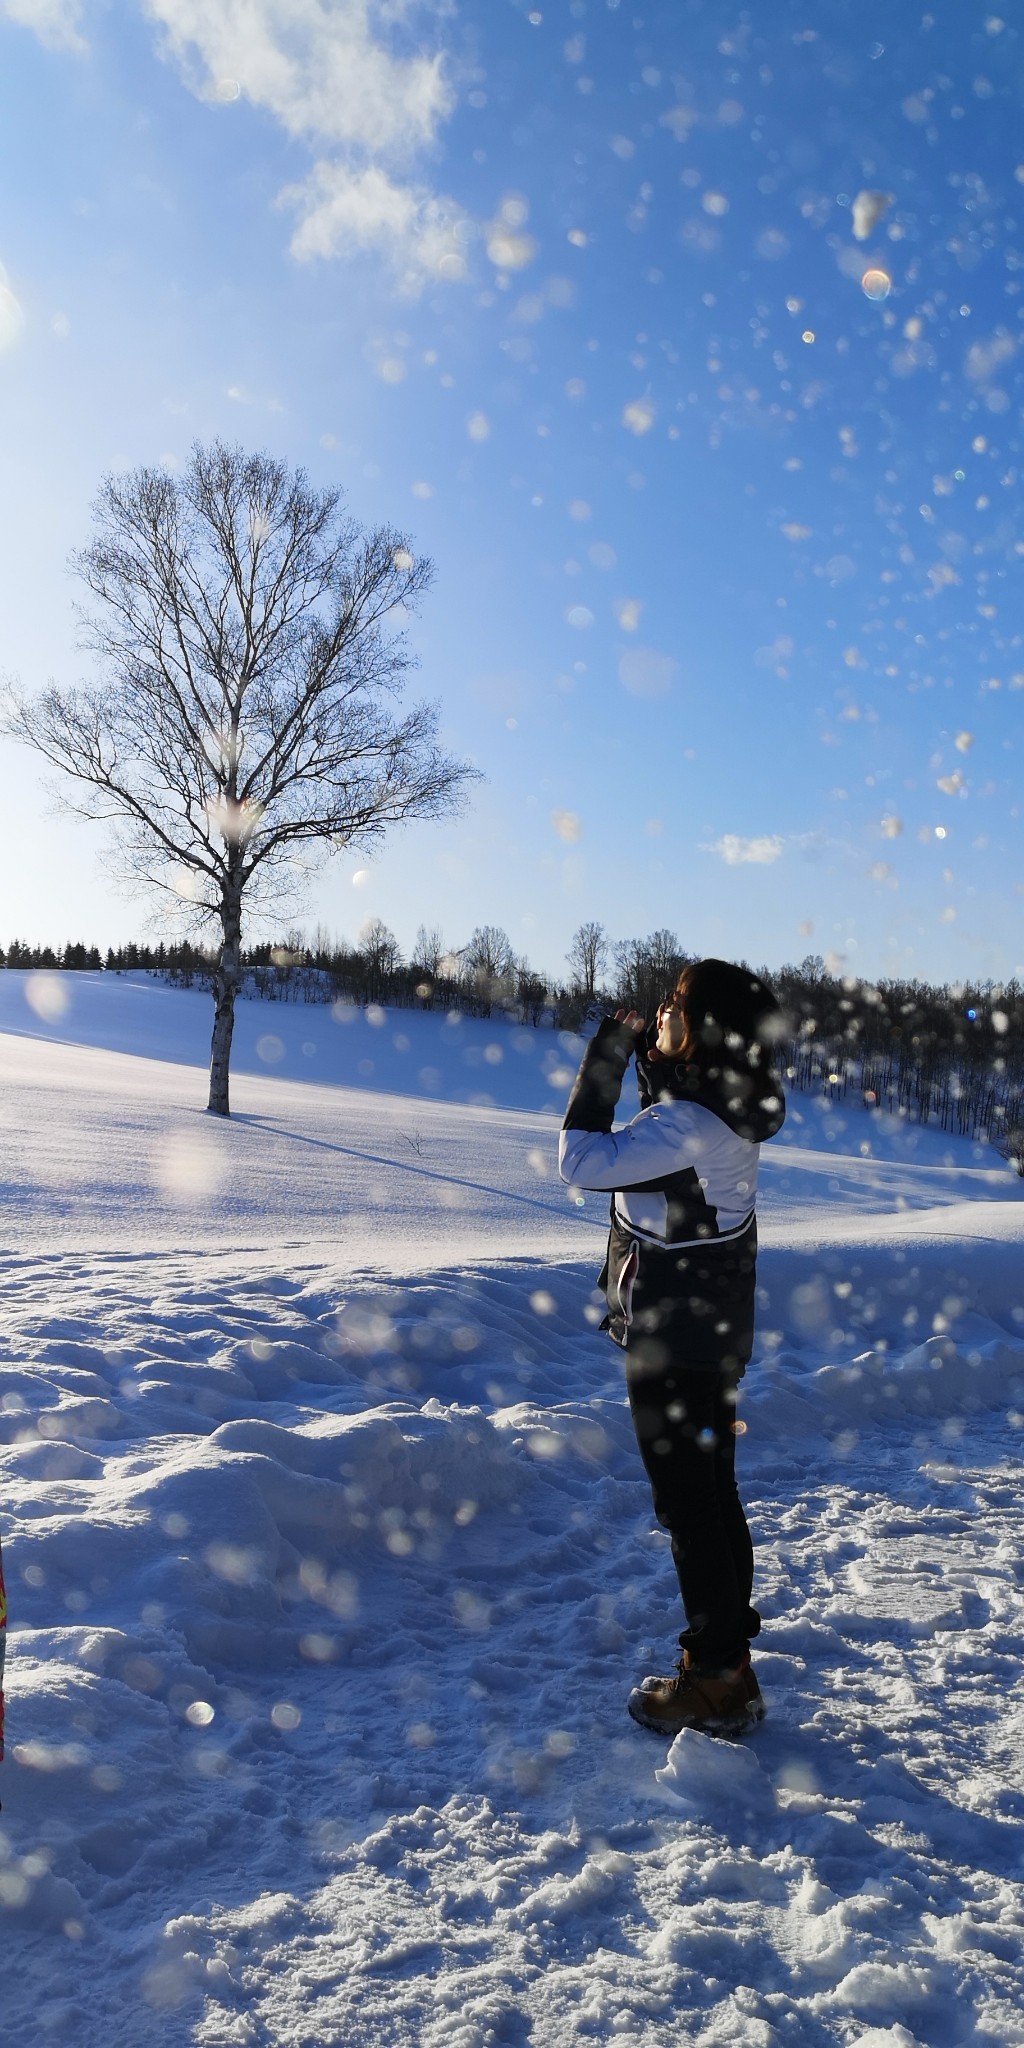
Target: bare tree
{"points": [[429, 950], [531, 992], [1008, 1134], [244, 629], [489, 962], [587, 958], [647, 969], [381, 955], [490, 952]]}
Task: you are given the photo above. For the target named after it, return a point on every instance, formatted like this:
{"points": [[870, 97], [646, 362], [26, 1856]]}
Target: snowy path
{"points": [[330, 1567]]}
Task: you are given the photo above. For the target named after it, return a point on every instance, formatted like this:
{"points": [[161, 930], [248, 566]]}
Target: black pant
{"points": [[684, 1420]]}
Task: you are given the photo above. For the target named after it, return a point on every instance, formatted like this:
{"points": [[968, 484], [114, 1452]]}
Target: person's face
{"points": [[671, 1025]]}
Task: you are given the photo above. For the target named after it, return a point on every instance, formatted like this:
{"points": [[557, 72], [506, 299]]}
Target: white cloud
{"points": [[323, 70], [317, 65], [735, 851], [341, 210], [55, 22], [327, 71]]}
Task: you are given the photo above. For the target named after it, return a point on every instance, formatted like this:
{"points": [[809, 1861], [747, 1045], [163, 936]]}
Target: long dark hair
{"points": [[731, 1015]]}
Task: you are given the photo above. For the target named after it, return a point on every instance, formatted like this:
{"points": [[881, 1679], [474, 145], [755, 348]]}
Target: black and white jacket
{"points": [[682, 1249]]}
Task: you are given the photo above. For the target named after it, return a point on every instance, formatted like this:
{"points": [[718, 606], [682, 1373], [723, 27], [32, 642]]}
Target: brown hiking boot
{"points": [[715, 1703]]}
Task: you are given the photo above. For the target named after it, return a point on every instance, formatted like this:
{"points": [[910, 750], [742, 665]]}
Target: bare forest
{"points": [[950, 1056]]}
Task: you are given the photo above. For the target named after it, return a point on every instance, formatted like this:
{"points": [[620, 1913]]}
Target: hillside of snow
{"points": [[330, 1563]]}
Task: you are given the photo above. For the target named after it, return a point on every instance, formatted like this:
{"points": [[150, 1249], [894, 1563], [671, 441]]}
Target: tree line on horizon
{"points": [[952, 1055]]}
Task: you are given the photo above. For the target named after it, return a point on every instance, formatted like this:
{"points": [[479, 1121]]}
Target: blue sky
{"points": [[727, 532]]}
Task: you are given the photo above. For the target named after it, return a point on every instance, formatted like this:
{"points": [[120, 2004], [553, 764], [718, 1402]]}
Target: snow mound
{"points": [[710, 1776]]}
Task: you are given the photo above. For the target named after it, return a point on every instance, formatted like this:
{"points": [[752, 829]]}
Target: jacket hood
{"points": [[748, 1099]]}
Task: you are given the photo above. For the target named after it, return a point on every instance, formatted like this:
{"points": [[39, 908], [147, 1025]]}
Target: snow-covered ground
{"points": [[330, 1563]]}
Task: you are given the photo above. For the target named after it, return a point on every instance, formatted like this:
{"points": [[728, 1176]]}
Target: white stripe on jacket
{"points": [[668, 1138]]}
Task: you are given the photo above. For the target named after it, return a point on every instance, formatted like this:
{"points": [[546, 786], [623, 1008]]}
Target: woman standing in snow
{"points": [[679, 1278]]}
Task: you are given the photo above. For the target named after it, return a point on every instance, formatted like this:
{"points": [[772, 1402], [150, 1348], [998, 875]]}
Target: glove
{"points": [[598, 1084], [646, 1057]]}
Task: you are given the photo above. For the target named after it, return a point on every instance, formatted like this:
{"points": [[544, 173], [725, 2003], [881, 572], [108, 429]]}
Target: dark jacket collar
{"points": [[748, 1099]]}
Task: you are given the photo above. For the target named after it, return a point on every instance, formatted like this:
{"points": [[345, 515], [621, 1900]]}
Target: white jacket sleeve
{"points": [[661, 1140]]}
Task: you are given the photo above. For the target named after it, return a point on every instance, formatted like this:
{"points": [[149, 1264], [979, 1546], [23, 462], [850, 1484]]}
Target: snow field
{"points": [[476, 1060], [360, 1659], [331, 1562]]}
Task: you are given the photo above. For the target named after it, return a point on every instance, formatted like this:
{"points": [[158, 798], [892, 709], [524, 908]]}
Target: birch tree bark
{"points": [[226, 982]]}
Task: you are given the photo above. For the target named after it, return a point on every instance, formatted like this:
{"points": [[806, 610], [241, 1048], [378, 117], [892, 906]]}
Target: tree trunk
{"points": [[225, 988]]}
